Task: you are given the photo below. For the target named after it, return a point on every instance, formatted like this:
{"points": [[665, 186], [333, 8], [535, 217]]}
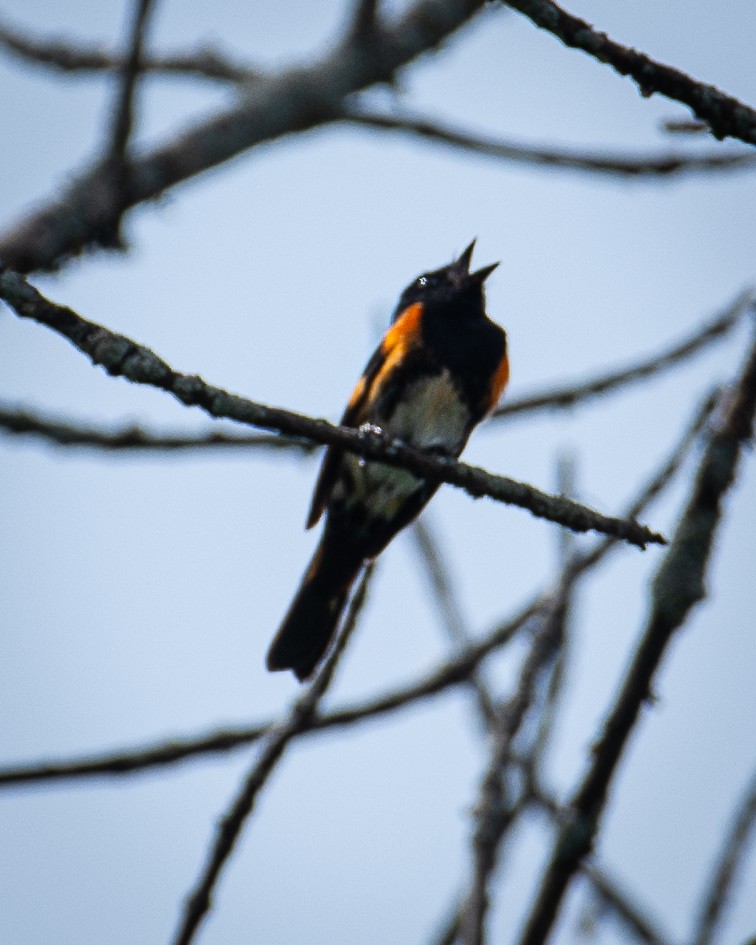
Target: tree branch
{"points": [[69, 57], [452, 673], [494, 811], [560, 398], [73, 434], [678, 586], [726, 867], [725, 115], [646, 165], [123, 111], [292, 101], [230, 827], [122, 357], [630, 914]]}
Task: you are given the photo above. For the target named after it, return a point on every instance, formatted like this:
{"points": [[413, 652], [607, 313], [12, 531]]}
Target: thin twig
{"points": [[495, 811], [72, 57], [556, 675], [559, 398], [664, 164], [678, 586], [122, 357], [230, 827], [123, 111], [498, 806], [725, 115], [439, 575], [69, 433], [707, 928]]}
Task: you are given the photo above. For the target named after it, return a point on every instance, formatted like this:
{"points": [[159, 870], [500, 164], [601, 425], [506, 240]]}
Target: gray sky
{"points": [[139, 594]]}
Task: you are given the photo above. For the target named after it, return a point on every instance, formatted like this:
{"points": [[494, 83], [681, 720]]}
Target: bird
{"points": [[440, 368]]}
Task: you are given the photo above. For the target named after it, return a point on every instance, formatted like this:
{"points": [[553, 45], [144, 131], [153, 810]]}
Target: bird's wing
{"points": [[398, 340]]}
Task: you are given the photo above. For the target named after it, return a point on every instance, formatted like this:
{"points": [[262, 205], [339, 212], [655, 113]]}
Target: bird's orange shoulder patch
{"points": [[403, 335], [499, 382]]}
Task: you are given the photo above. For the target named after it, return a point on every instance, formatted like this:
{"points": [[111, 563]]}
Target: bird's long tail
{"points": [[313, 616]]}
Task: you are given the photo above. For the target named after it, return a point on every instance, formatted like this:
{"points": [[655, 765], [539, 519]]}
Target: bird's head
{"points": [[453, 287]]}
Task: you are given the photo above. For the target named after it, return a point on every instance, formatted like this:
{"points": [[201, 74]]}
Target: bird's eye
{"points": [[423, 280]]}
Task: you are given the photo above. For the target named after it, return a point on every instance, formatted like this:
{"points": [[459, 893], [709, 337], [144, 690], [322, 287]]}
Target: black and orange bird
{"points": [[439, 370]]}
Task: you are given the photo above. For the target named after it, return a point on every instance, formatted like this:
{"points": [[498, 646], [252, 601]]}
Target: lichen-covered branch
{"points": [[725, 115], [122, 357]]}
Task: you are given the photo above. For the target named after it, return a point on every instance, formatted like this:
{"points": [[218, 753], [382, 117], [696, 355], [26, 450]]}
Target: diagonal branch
{"points": [[122, 357], [229, 829], [725, 115], [75, 434], [708, 925], [664, 164], [495, 812], [630, 914], [292, 101], [123, 112], [450, 613], [560, 398], [678, 586]]}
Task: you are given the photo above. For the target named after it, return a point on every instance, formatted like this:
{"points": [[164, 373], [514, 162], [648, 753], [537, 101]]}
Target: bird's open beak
{"points": [[482, 274], [462, 266]]}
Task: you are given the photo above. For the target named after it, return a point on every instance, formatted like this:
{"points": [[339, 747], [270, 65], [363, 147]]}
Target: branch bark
{"points": [[231, 825], [122, 357], [678, 586], [726, 116], [292, 101]]}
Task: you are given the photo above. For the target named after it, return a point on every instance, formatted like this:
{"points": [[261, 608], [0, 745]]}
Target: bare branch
{"points": [[560, 398], [632, 916], [453, 673], [123, 112], [646, 165], [439, 576], [678, 586], [707, 928], [498, 806], [122, 357], [725, 115], [292, 101], [495, 812], [125, 439], [562, 615], [71, 57], [364, 20], [457, 671], [231, 825]]}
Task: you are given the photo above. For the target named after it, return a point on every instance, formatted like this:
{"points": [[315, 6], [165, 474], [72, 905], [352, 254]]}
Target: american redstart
{"points": [[440, 368]]}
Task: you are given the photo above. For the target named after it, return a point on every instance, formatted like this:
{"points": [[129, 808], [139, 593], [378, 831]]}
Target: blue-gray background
{"points": [[139, 594]]}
